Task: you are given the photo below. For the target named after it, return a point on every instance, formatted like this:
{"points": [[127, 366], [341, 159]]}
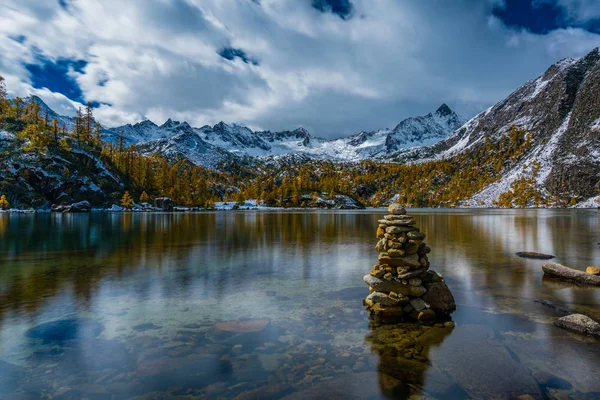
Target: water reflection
{"points": [[139, 298]]}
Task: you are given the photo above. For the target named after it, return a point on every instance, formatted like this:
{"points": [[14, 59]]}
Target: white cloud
{"points": [[159, 58]]}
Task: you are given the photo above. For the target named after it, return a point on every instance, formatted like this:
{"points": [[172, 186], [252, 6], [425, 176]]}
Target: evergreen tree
{"points": [[4, 204], [127, 201], [144, 198]]}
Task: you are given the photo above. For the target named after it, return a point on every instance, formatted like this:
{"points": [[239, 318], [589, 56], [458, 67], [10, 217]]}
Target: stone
{"points": [[164, 203], [414, 282], [396, 209], [416, 235], [534, 255], [383, 299], [80, 207], [556, 270], [424, 249], [579, 323], [409, 274], [419, 304], [383, 286], [378, 271], [417, 291], [426, 315], [401, 222], [440, 298], [396, 217], [410, 261], [395, 230], [66, 329], [411, 247], [388, 276], [395, 253], [593, 270], [381, 245], [380, 232]]}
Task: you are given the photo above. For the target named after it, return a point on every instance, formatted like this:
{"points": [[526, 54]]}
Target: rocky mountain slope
{"points": [[207, 145], [561, 109], [539, 146]]}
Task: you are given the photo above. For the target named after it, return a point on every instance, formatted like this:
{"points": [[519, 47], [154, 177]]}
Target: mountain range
{"points": [[208, 145], [560, 110]]}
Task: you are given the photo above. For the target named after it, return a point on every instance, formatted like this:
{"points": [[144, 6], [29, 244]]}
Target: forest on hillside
{"points": [[45, 161]]}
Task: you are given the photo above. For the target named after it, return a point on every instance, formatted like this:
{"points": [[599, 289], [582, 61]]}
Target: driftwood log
{"points": [[556, 270]]}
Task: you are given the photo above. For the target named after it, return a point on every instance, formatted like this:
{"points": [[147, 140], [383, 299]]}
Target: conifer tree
{"points": [[127, 201], [4, 204], [144, 198]]}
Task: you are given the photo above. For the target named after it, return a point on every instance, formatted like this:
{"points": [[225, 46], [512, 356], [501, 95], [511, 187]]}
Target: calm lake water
{"points": [[269, 304]]}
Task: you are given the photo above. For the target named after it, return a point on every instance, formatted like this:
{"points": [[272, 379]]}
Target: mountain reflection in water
{"points": [[268, 305]]}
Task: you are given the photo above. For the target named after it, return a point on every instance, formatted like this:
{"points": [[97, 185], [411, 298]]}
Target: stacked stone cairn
{"points": [[400, 281]]}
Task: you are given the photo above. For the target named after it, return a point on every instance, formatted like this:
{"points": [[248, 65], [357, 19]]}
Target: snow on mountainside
{"points": [[204, 145], [562, 109]]}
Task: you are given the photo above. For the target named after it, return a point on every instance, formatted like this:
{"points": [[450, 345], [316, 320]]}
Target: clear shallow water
{"points": [[141, 298]]}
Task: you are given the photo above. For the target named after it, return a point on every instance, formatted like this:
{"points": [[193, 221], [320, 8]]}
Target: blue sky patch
{"points": [[19, 38], [342, 8], [540, 17], [55, 76], [231, 53]]}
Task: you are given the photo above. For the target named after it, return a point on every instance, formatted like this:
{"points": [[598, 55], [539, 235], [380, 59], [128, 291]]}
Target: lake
{"points": [[269, 304]]}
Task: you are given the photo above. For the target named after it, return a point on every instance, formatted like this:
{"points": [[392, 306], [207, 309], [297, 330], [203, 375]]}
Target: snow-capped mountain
{"points": [[562, 109], [204, 145]]}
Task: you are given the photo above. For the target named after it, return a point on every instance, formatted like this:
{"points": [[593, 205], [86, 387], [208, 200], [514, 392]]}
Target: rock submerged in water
{"points": [[579, 323], [401, 283], [534, 255], [66, 329], [559, 271]]}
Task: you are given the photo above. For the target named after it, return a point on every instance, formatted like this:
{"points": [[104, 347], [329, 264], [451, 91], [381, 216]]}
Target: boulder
{"points": [[579, 323], [79, 207], [556, 270], [396, 209], [164, 203], [439, 297]]}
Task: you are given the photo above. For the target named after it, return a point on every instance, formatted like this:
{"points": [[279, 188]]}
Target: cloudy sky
{"points": [[333, 66]]}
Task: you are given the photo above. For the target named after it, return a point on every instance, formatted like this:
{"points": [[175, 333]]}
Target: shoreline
{"points": [[182, 210]]}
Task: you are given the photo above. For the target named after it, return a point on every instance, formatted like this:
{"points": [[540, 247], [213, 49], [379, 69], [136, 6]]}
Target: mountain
{"points": [[561, 108], [537, 147], [205, 145]]}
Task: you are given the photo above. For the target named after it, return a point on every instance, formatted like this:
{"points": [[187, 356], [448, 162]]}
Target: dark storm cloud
{"points": [[279, 64], [342, 8]]}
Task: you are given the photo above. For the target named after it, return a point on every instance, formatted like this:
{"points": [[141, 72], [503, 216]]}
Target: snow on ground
{"points": [[592, 202], [544, 154]]}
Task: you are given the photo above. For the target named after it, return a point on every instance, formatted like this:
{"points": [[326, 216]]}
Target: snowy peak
{"points": [[444, 111], [240, 140], [423, 131]]}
